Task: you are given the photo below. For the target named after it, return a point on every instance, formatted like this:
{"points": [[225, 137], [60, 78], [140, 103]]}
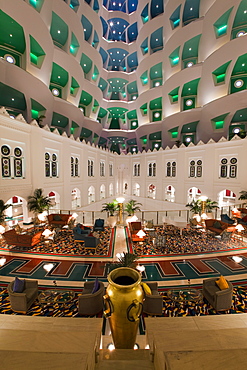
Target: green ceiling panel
{"points": [[219, 121], [174, 94], [174, 132], [144, 46], [59, 75], [115, 124], [190, 88], [102, 113], [59, 30], [241, 15], [95, 73], [132, 88], [86, 63], [155, 104], [117, 112], [131, 142], [144, 78], [132, 114], [221, 24], [189, 127], [35, 48], [240, 65], [190, 49], [102, 84], [85, 133], [102, 140], [11, 33], [156, 71], [220, 72], [74, 125], [37, 4], [87, 27], [86, 98], [174, 57], [58, 120], [240, 116], [36, 108], [74, 83], [175, 17], [12, 98], [155, 136], [74, 44]]}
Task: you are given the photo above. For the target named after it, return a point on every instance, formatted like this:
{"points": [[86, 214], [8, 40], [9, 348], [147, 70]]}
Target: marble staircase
{"points": [[124, 359]]}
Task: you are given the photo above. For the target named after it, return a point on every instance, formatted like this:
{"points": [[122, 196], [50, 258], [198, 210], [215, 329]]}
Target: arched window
{"points": [[72, 161], [136, 169], [12, 163], [90, 167], [174, 164], [74, 166], [195, 168], [152, 169], [228, 167], [6, 166], [168, 169], [102, 168], [110, 169]]}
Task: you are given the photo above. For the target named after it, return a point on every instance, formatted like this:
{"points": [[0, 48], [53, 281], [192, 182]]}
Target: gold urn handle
{"points": [[107, 310], [134, 316]]}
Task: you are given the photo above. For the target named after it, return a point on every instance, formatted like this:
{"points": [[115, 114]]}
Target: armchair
{"points": [[225, 218], [91, 303], [20, 302], [221, 300], [99, 225], [153, 303]]}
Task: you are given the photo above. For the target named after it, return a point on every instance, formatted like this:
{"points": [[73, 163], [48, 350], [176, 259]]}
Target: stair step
{"points": [[121, 359]]}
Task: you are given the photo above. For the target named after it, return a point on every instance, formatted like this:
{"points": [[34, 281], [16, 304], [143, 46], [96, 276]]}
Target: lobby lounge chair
{"points": [[153, 303], [20, 302], [220, 300], [91, 303]]}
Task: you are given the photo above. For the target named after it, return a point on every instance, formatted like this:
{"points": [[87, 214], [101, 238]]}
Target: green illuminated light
{"points": [[175, 60], [145, 141], [72, 90], [174, 134], [176, 22], [219, 124], [35, 113], [34, 58], [222, 30], [221, 77], [33, 3], [145, 19]]}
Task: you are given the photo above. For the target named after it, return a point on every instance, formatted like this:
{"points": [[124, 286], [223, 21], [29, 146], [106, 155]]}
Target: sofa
{"points": [[216, 226], [221, 300], [84, 235], [23, 240], [58, 220], [91, 303], [20, 302]]}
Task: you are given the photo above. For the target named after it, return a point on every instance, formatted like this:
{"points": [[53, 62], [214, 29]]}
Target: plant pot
{"points": [[123, 302], [111, 221]]}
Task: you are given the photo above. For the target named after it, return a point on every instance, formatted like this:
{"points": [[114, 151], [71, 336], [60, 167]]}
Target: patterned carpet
{"points": [[64, 244], [169, 308], [167, 241]]}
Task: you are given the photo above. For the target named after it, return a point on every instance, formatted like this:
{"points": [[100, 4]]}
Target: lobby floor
{"points": [[171, 270]]}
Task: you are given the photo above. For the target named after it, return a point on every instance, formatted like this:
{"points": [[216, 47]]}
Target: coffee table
{"points": [[53, 296], [185, 295]]}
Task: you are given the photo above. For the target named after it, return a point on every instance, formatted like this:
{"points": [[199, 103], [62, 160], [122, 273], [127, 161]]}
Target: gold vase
{"points": [[123, 305]]}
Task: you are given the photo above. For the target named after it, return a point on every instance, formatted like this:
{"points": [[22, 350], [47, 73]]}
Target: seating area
{"points": [[216, 226], [25, 240], [58, 220], [84, 234], [218, 292], [22, 294]]}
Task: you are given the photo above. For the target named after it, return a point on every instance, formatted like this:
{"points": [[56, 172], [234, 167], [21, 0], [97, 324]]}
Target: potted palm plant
{"points": [[38, 203], [195, 206], [3, 208], [110, 208], [125, 259], [131, 207], [210, 205]]}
